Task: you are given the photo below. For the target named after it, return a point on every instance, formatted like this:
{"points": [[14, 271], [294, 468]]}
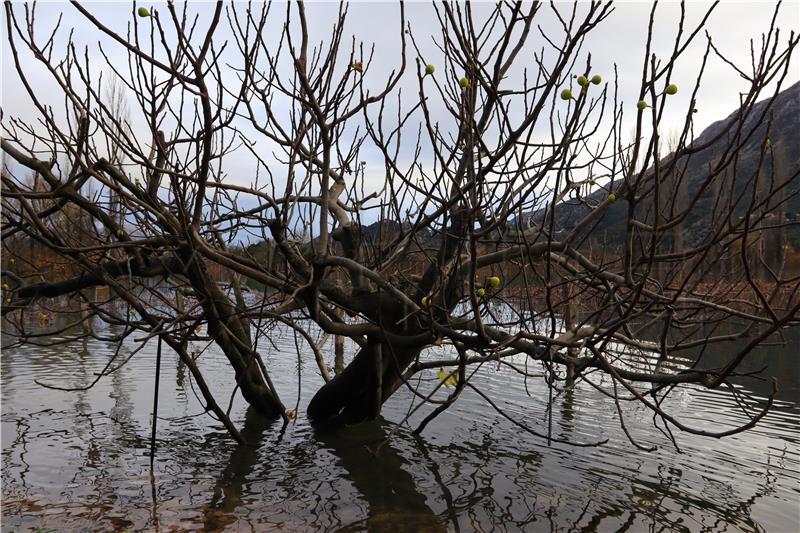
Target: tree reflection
{"points": [[382, 480], [229, 487], [382, 477]]}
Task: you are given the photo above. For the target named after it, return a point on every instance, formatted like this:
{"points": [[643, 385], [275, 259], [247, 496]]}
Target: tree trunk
{"points": [[338, 350], [231, 332], [357, 393], [375, 373]]}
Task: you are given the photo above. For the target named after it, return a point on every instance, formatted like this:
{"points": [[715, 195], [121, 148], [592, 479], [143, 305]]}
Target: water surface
{"points": [[80, 460]]}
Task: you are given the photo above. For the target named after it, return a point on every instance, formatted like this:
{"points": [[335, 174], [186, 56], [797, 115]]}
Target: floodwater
{"points": [[76, 461]]}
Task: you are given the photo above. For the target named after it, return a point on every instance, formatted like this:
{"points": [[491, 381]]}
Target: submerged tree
{"points": [[499, 177]]}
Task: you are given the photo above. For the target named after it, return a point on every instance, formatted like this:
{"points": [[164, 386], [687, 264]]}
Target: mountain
{"points": [[783, 116]]}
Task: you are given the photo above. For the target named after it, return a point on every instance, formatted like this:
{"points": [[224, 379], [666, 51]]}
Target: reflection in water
{"points": [[447, 496], [227, 492], [180, 374], [379, 473], [80, 460]]}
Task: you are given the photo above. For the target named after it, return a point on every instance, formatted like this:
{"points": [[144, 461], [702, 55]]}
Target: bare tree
{"points": [[117, 103], [477, 207]]}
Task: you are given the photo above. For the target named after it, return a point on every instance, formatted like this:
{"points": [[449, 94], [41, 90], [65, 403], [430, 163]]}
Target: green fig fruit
{"points": [[583, 81], [464, 82], [493, 281], [481, 292], [671, 89], [424, 301], [5, 285], [429, 69], [446, 378], [120, 233], [566, 94], [612, 197], [596, 79], [143, 12], [641, 104]]}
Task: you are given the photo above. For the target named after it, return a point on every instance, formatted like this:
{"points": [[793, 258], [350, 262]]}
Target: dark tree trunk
{"points": [[357, 393], [231, 332], [338, 349]]}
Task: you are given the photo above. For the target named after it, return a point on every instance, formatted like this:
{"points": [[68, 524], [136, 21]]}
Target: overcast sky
{"points": [[617, 41], [620, 39]]}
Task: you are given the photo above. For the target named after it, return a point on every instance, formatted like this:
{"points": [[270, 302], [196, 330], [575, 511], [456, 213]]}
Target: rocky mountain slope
{"points": [[783, 120]]}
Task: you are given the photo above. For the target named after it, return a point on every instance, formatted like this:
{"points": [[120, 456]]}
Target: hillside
{"points": [[784, 112]]}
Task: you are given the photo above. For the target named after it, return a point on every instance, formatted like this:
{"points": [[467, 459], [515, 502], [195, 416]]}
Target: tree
{"points": [[497, 176]]}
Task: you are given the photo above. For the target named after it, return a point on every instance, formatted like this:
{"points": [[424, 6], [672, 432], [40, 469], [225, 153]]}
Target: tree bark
{"points": [[231, 332], [357, 393]]}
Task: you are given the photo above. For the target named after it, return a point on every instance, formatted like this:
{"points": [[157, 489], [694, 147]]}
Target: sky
{"points": [[618, 42]]}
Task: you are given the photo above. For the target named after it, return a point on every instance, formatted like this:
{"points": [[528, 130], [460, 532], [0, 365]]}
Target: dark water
{"points": [[79, 460]]}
